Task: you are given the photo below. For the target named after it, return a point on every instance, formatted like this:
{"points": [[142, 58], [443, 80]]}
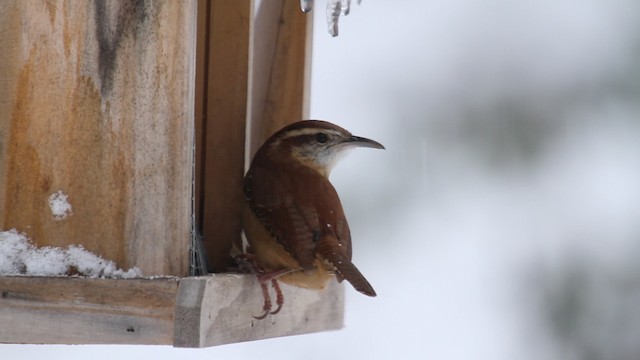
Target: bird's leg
{"points": [[266, 277], [247, 264], [266, 308], [279, 296]]}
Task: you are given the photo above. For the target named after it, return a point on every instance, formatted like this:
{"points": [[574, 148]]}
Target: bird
{"points": [[292, 218]]}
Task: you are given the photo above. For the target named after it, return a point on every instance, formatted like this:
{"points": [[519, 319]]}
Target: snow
{"points": [[18, 256], [59, 204]]}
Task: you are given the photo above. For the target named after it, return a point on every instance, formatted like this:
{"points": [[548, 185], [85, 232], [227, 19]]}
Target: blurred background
{"points": [[503, 220]]}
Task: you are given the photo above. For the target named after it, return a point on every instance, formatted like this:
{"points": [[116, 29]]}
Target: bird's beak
{"points": [[364, 142]]}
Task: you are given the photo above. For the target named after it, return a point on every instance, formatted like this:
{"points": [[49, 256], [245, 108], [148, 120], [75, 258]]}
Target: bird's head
{"points": [[316, 144]]}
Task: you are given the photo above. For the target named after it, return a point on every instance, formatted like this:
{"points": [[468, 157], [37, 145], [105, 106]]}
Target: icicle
{"points": [[306, 5], [345, 6], [334, 8]]}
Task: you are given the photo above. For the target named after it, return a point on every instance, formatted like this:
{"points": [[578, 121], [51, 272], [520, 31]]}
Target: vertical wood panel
{"points": [[225, 119], [279, 76], [96, 100], [281, 68]]}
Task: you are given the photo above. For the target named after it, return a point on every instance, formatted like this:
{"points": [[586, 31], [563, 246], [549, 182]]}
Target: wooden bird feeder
{"points": [[106, 101]]}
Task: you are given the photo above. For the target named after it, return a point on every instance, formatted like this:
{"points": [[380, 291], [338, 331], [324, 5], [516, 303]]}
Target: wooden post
{"points": [[225, 70], [96, 101], [264, 83], [281, 69]]}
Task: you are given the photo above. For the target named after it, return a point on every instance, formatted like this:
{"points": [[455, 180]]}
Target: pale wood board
{"points": [[219, 309], [96, 101], [43, 310], [184, 312]]}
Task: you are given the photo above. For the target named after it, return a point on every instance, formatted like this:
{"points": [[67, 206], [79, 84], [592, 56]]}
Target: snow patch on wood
{"points": [[18, 256], [60, 206]]}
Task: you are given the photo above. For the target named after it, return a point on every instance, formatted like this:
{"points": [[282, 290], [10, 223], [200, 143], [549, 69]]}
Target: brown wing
{"points": [[271, 196], [314, 225]]}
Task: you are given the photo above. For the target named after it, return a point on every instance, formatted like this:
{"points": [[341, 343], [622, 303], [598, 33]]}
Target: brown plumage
{"points": [[293, 218]]}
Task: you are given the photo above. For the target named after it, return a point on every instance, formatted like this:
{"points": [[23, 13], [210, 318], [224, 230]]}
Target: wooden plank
{"points": [[97, 102], [219, 309], [226, 113], [87, 311], [280, 71], [281, 67], [186, 312]]}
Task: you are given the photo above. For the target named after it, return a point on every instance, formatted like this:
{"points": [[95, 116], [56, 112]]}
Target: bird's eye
{"points": [[321, 138]]}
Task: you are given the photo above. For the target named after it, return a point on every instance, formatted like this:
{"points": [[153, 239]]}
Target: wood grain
{"points": [[219, 309], [224, 129], [97, 102], [186, 312], [281, 69], [86, 311]]}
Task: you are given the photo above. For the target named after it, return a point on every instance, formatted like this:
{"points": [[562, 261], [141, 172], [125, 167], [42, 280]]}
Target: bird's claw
{"points": [[279, 296], [267, 298], [247, 263]]}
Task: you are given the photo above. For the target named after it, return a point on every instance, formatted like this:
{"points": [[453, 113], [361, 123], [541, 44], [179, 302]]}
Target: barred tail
{"points": [[346, 270]]}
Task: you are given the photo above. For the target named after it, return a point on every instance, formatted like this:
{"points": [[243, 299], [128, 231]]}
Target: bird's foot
{"points": [[247, 263], [266, 308]]}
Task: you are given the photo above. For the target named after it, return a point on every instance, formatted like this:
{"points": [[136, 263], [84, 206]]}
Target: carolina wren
{"points": [[293, 218]]}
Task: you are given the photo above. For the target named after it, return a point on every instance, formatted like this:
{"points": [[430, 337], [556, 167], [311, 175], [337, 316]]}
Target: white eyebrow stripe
{"points": [[308, 131]]}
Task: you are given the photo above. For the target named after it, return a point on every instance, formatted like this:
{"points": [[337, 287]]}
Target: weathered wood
{"points": [[187, 312], [280, 69], [87, 311], [96, 100], [224, 129], [219, 309]]}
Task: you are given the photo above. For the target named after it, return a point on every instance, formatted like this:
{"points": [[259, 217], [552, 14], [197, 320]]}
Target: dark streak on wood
{"points": [[130, 14]]}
